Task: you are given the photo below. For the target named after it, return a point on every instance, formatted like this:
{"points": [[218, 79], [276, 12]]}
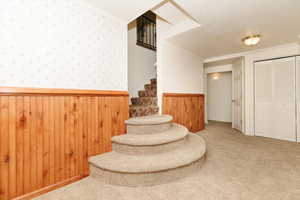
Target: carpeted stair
{"points": [[154, 151], [146, 103]]}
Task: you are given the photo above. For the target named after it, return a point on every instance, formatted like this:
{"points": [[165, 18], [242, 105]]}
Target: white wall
{"points": [[178, 70], [140, 63], [219, 94], [61, 44], [249, 58], [182, 70]]}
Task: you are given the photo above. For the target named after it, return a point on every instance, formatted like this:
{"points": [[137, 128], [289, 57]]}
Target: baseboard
{"points": [[50, 188], [248, 134], [219, 121]]}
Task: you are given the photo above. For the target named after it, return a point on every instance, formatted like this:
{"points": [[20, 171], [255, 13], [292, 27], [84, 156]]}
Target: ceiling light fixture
{"points": [[251, 40], [215, 76]]}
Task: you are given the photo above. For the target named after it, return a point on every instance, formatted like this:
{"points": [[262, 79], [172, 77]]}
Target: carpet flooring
{"points": [[237, 167]]}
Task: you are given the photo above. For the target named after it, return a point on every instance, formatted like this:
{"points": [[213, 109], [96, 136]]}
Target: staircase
{"points": [[154, 151], [146, 103]]}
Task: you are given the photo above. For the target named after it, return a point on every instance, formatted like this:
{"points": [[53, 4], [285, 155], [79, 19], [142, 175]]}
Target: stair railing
{"points": [[146, 32]]}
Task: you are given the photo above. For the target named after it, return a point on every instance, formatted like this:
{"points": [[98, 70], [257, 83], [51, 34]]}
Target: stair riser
{"points": [[154, 86], [148, 129], [145, 179], [134, 112], [153, 81], [141, 114], [150, 87], [144, 101], [148, 93], [147, 150]]}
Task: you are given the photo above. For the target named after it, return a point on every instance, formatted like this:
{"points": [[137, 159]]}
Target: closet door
{"points": [[275, 104], [298, 97]]}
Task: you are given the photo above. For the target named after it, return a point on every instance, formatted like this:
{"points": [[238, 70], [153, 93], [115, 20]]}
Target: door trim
{"points": [[297, 72], [277, 58]]}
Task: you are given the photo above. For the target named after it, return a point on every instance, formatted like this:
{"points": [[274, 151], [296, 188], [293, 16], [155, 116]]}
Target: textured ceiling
{"points": [[126, 10], [225, 23]]}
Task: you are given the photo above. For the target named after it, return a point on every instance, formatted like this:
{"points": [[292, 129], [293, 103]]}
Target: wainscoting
{"points": [[186, 109], [47, 135]]}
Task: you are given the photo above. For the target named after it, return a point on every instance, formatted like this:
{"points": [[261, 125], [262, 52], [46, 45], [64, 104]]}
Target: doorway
{"points": [[223, 88], [219, 95]]}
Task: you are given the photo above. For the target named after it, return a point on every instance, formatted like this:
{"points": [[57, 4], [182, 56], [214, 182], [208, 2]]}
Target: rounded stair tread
{"points": [[149, 120], [193, 150], [177, 132]]}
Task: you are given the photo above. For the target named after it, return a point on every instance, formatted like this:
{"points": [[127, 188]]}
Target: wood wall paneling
{"points": [[186, 109], [47, 135]]}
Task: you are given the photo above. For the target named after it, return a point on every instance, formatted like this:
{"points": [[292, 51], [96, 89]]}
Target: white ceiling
{"points": [[170, 13], [225, 23], [126, 10], [180, 20]]}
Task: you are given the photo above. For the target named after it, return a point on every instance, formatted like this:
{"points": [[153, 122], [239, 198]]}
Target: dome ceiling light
{"points": [[215, 76], [251, 40]]}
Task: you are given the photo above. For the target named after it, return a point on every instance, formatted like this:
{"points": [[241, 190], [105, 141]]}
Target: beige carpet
{"points": [[237, 168]]}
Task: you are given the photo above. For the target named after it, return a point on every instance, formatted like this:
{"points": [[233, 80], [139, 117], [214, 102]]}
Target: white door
{"points": [[275, 104], [298, 97], [237, 76]]}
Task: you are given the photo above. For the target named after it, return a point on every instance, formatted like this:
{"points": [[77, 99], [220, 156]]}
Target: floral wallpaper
{"points": [[61, 44]]}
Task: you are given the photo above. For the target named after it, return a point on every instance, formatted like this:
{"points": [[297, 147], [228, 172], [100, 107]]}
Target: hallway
{"points": [[238, 167]]}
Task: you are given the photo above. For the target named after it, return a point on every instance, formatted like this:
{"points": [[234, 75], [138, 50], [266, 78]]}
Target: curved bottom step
{"points": [[145, 170], [145, 179], [134, 144]]}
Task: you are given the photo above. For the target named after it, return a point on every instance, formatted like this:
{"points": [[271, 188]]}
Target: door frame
{"points": [[297, 74], [232, 99], [242, 94], [228, 68], [211, 70]]}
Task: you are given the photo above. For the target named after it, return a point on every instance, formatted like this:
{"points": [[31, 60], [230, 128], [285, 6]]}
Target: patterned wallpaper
{"points": [[61, 44]]}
